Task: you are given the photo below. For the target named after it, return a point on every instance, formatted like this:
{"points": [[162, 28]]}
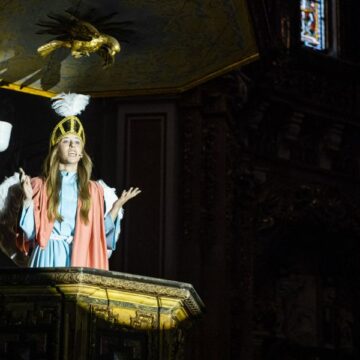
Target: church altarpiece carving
{"points": [[283, 146], [300, 186]]}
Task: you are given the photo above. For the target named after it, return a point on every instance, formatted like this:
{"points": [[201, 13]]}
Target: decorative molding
{"points": [[74, 276], [143, 321]]}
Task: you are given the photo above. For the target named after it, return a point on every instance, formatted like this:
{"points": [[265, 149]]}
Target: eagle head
{"points": [[109, 48]]}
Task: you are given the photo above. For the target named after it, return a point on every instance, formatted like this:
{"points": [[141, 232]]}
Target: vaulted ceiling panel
{"points": [[176, 44]]}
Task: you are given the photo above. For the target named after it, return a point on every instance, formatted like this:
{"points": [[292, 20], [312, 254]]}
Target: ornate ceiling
{"points": [[176, 45]]}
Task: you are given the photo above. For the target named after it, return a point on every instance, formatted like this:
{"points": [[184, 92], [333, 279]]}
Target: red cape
{"points": [[89, 243]]}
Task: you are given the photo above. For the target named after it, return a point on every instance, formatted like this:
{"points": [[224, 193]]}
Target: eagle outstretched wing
{"points": [[118, 29], [68, 27], [84, 26]]}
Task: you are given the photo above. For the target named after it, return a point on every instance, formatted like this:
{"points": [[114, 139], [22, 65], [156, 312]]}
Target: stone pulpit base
{"points": [[86, 314]]}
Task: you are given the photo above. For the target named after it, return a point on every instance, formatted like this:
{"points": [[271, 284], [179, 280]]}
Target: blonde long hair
{"points": [[53, 184]]}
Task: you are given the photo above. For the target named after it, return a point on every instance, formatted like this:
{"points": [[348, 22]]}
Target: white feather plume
{"points": [[69, 104], [4, 189]]}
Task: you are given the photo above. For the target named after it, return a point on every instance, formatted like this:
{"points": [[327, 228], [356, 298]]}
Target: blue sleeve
{"points": [[112, 231], [27, 221]]}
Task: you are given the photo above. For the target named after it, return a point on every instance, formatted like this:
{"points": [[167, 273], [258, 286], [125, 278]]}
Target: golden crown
{"points": [[68, 105], [70, 125]]}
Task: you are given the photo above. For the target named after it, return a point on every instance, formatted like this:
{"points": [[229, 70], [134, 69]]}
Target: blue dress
{"points": [[57, 252]]}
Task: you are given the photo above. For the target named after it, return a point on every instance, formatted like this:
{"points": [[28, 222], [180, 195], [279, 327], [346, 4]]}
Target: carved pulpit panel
{"points": [[89, 314]]}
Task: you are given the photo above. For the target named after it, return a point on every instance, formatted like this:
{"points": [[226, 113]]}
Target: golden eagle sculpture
{"points": [[84, 34]]}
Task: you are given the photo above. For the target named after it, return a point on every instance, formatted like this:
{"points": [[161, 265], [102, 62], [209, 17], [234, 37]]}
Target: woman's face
{"points": [[70, 149]]}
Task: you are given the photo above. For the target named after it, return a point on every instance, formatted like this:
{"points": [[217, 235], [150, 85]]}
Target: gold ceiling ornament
{"points": [[84, 35]]}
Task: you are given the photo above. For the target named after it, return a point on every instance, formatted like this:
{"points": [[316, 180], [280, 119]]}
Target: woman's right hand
{"points": [[26, 185]]}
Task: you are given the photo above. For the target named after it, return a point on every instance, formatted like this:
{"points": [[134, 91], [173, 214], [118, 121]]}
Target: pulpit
{"points": [[87, 314]]}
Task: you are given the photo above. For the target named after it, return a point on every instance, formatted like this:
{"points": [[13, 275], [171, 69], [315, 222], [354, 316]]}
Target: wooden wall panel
{"points": [[146, 157]]}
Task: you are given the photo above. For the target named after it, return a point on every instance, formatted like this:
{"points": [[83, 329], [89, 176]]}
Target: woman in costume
{"points": [[67, 219]]}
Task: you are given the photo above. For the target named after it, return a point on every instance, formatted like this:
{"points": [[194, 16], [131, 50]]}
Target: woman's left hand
{"points": [[125, 197]]}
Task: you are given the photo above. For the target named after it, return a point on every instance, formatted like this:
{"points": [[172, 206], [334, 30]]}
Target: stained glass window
{"points": [[313, 24]]}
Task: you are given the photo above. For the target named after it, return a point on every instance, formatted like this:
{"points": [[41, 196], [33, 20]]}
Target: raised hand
{"points": [[26, 186], [125, 197]]}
